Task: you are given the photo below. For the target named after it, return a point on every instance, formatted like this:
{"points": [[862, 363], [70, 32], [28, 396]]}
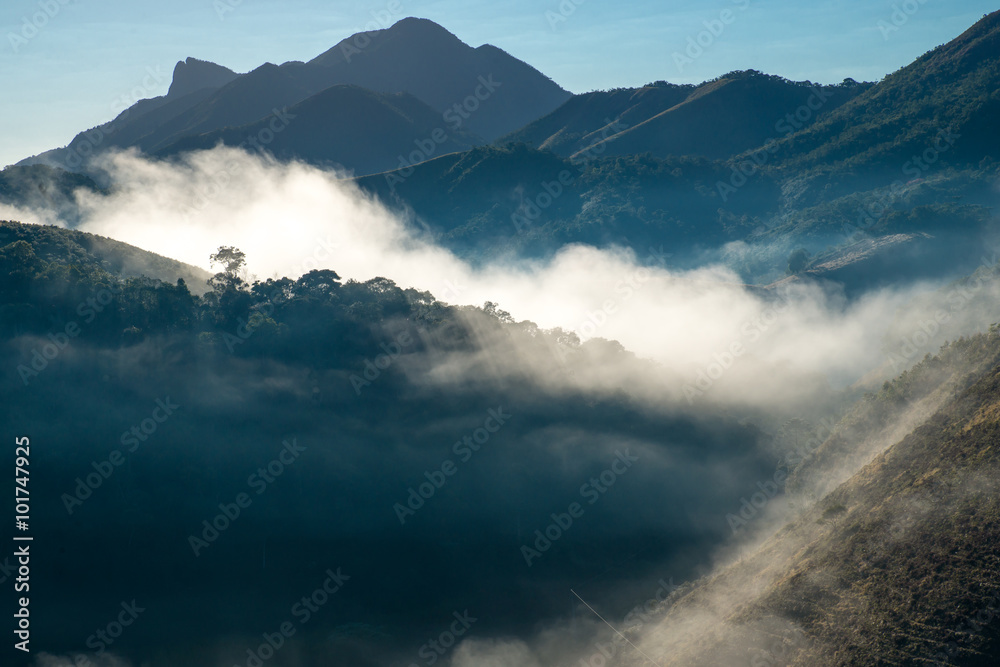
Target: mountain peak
{"points": [[416, 23], [193, 74], [411, 33], [968, 51], [418, 28]]}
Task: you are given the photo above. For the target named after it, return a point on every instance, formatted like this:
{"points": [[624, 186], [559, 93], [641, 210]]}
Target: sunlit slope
{"points": [[86, 252], [947, 100], [896, 566]]}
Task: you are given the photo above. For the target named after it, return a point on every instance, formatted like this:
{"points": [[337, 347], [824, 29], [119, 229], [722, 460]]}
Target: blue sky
{"points": [[91, 55]]}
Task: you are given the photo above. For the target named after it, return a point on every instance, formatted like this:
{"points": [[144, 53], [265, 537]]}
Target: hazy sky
{"points": [[89, 55]]}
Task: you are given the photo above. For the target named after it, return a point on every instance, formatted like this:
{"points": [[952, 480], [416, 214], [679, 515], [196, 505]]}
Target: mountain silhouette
{"points": [[385, 130], [480, 91]]}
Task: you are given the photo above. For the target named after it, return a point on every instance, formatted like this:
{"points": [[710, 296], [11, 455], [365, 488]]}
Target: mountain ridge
{"points": [[489, 91], [191, 75], [717, 119]]}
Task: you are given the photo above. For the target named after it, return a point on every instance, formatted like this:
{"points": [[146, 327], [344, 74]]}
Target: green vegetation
{"points": [[378, 383], [56, 247], [494, 200], [953, 89]]}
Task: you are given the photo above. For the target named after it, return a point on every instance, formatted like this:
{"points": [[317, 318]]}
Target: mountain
{"points": [[68, 248], [881, 261], [888, 554], [193, 82], [320, 470], [717, 119], [248, 98], [474, 91], [192, 75], [945, 104], [343, 126], [695, 168], [494, 201], [894, 564], [578, 123], [422, 58]]}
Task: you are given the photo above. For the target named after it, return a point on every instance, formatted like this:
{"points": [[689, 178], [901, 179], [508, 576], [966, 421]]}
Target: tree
{"points": [[798, 260], [18, 265], [319, 282], [493, 310], [233, 274]]}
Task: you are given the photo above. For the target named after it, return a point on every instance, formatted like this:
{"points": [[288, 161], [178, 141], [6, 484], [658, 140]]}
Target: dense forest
{"points": [[359, 374]]}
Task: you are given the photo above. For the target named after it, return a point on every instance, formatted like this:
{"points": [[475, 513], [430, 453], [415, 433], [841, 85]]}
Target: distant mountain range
{"points": [[472, 94], [717, 119], [747, 157], [947, 101], [383, 126], [885, 552], [775, 164]]}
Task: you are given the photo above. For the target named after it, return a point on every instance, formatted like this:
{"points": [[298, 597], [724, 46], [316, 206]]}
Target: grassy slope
{"points": [[953, 86], [888, 568], [717, 119]]}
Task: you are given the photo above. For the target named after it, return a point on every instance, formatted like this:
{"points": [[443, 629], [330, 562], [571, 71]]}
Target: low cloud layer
{"points": [[291, 218], [700, 339]]}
